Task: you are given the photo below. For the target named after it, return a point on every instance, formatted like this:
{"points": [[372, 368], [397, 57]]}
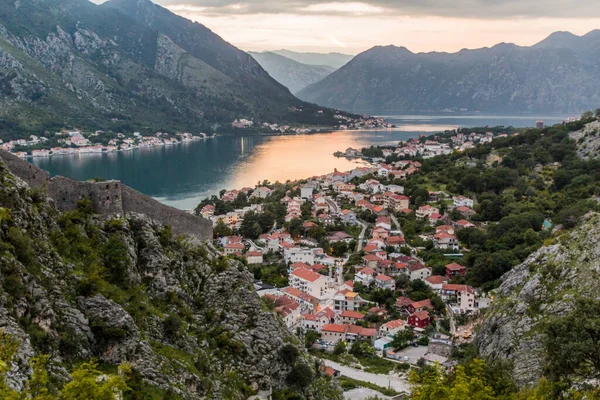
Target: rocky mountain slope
{"points": [[534, 295], [588, 140], [128, 65], [334, 60], [76, 286], [291, 74], [556, 75]]}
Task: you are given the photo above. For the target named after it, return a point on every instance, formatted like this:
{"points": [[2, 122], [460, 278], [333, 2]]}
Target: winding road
{"points": [[392, 381]]}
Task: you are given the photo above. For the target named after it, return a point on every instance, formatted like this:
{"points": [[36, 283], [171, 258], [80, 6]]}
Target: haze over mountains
{"points": [[128, 64], [291, 74], [558, 74]]}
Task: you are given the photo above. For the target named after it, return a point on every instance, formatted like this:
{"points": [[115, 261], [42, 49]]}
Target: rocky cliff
{"points": [[556, 75], [76, 287], [533, 294]]}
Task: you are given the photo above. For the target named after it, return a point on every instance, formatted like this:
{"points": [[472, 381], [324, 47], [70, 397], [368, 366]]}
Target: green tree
{"points": [[87, 384], [221, 229], [339, 348], [402, 339]]}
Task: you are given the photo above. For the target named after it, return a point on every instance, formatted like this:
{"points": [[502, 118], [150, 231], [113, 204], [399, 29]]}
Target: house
{"points": [[288, 309], [445, 229], [325, 219], [340, 236], [418, 271], [356, 332], [306, 301], [417, 306], [365, 276], [295, 254], [317, 320], [348, 217], [395, 241], [208, 211], [465, 211], [380, 233], [462, 201], [347, 300], [333, 333], [402, 302], [463, 223], [254, 257], [233, 248], [391, 328], [419, 319], [370, 261], [455, 269], [261, 192], [445, 241], [309, 282], [435, 282], [384, 222], [225, 240], [426, 210], [306, 191], [385, 282], [351, 317]]}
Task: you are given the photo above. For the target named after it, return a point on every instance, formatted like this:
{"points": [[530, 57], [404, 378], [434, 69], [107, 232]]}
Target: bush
{"points": [[300, 376], [171, 326], [289, 354]]}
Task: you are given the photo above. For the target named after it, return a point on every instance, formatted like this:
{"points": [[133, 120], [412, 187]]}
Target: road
{"points": [[394, 382], [334, 208], [361, 237], [395, 221]]}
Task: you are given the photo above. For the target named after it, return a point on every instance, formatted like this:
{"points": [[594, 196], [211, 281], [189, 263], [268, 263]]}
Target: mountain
{"points": [[123, 288], [291, 74], [334, 60], [128, 65], [541, 294], [558, 74]]}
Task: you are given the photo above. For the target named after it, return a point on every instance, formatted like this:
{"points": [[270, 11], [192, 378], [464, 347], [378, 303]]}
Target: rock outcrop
{"points": [[588, 140], [545, 286], [76, 286]]}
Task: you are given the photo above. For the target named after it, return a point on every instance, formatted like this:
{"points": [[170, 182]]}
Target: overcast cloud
{"points": [[485, 9]]}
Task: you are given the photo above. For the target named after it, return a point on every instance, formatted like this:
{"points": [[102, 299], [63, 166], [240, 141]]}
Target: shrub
{"points": [[171, 326]]}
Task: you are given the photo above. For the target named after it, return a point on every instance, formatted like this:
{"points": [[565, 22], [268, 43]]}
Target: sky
{"points": [[350, 26]]}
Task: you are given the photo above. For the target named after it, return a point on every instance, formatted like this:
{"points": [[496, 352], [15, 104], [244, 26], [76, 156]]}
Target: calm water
{"points": [[184, 174]]}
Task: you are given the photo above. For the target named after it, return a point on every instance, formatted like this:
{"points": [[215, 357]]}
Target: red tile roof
{"points": [[338, 328], [421, 315], [436, 279], [422, 304], [455, 267], [352, 314], [397, 323], [306, 274], [383, 278]]}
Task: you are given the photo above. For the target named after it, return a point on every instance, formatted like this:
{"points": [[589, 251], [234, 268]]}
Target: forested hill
{"points": [[556, 75], [129, 65]]}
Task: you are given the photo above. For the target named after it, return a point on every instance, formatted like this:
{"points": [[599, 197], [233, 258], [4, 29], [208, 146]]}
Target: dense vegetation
{"points": [[538, 176]]}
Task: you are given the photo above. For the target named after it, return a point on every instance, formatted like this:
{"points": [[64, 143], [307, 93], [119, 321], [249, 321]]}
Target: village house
{"points": [[435, 282], [293, 254], [384, 222], [356, 332], [385, 282], [465, 211], [348, 217], [402, 302], [455, 269], [445, 241], [351, 317], [317, 320], [463, 223], [418, 271], [233, 248], [417, 306], [254, 257], [261, 192], [340, 236], [391, 328], [306, 301], [288, 309], [419, 319], [207, 211], [309, 282], [333, 333], [460, 201], [426, 210], [370, 261], [347, 300], [365, 275]]}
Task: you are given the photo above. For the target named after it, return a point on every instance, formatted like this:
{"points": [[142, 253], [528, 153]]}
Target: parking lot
{"points": [[413, 354]]}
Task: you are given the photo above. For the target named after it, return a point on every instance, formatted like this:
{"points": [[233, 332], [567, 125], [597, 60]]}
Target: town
{"points": [[77, 142], [352, 264]]}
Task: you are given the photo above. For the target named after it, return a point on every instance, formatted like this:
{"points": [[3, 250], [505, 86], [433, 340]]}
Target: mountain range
{"points": [[125, 65], [291, 74], [558, 74], [334, 60]]}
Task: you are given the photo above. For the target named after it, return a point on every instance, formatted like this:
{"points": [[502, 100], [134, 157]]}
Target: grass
{"points": [[349, 384], [371, 364]]}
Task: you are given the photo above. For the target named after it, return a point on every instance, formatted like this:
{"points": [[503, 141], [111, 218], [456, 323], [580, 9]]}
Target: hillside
{"points": [[555, 75], [334, 60], [291, 74], [128, 65], [76, 286]]}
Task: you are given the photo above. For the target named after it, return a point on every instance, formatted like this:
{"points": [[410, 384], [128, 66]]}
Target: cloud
{"points": [[480, 9]]}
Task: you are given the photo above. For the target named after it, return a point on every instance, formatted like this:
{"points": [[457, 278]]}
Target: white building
{"points": [[462, 201], [310, 282], [418, 271]]}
